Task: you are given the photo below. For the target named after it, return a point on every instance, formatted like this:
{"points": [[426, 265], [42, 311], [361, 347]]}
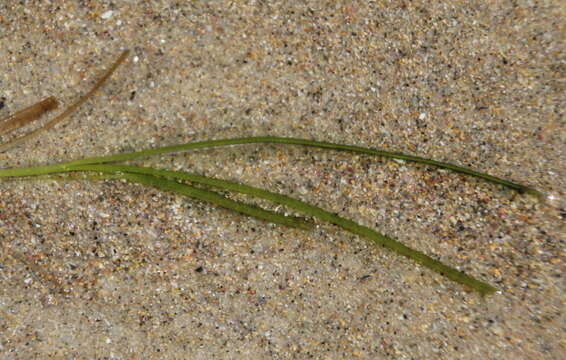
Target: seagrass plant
{"points": [[183, 183]]}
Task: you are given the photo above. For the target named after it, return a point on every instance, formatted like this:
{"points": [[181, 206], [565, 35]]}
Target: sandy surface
{"points": [[111, 270]]}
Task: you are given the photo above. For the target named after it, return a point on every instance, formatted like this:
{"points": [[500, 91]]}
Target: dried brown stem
{"points": [[27, 115], [70, 109]]}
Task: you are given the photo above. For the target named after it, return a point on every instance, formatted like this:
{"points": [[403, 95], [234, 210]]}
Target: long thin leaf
{"points": [[269, 139], [363, 231], [206, 196]]}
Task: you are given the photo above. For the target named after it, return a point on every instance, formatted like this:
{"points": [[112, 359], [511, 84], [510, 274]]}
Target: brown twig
{"points": [[70, 109], [27, 115]]}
